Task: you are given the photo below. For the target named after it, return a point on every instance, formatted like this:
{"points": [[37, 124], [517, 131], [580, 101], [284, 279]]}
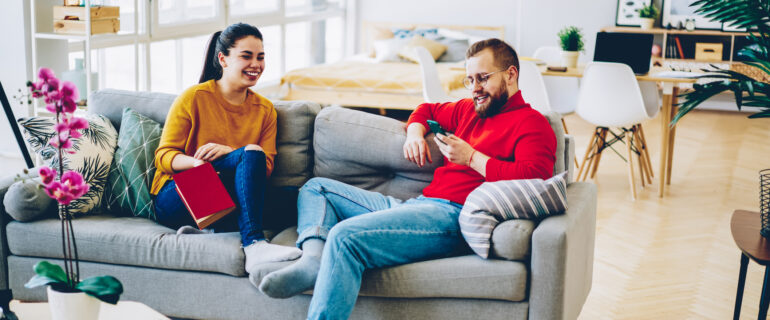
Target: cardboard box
{"points": [[79, 27], [71, 2], [708, 51], [79, 13]]}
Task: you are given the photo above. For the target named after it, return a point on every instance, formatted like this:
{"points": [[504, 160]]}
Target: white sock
{"points": [[262, 252]]}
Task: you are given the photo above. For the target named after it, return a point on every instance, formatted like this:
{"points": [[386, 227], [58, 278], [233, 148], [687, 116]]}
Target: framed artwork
{"points": [[676, 11], [628, 12], [15, 128]]}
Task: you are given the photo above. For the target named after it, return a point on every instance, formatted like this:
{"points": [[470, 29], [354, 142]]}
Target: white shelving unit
{"points": [[47, 47]]}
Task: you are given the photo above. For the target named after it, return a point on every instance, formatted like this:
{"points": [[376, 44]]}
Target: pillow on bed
{"points": [[378, 33], [455, 50], [428, 33], [407, 52], [387, 50]]}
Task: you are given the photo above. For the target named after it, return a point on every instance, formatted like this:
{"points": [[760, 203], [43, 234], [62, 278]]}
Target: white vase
{"points": [[646, 23], [570, 58], [72, 305]]}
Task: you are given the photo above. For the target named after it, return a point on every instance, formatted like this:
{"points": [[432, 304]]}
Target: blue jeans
{"points": [[366, 230], [243, 173]]}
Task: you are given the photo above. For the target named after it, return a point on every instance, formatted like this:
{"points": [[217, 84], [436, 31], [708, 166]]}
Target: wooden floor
{"points": [[674, 258]]}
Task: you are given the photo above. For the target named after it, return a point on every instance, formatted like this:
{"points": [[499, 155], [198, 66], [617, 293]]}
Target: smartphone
{"points": [[436, 128]]}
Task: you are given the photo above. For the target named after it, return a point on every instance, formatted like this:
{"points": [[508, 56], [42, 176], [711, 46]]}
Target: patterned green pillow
{"points": [[132, 167]]}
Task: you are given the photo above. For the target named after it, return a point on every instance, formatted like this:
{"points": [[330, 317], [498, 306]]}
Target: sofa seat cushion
{"points": [[130, 241], [468, 276]]}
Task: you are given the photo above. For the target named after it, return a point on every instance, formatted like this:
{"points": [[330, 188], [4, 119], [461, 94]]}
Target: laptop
{"points": [[633, 49]]}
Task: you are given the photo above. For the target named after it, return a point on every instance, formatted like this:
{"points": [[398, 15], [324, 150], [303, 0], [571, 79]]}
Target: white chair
{"points": [[431, 83], [562, 91], [532, 86], [610, 97]]}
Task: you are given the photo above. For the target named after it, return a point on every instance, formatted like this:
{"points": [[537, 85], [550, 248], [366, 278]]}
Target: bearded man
{"points": [[344, 230]]}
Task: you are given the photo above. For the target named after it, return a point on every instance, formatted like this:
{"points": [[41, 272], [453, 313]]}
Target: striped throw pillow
{"points": [[494, 202]]}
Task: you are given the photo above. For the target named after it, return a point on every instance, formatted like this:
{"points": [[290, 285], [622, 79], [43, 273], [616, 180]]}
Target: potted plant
{"points": [[750, 81], [68, 296], [571, 40], [647, 16]]}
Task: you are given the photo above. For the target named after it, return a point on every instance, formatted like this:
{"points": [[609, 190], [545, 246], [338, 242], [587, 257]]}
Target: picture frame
{"points": [[627, 14], [676, 11], [15, 128], [729, 28]]}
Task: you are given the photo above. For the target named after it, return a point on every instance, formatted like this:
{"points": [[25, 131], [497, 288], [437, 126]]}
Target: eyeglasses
{"points": [[470, 82]]}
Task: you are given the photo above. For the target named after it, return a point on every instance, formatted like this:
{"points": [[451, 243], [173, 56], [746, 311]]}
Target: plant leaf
{"points": [[105, 288], [50, 270], [38, 281]]}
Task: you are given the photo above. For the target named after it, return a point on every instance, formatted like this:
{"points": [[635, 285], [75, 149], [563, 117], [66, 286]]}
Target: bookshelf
{"points": [[684, 51]]}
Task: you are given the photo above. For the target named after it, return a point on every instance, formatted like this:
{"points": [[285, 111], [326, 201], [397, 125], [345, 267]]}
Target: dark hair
{"points": [[222, 41], [505, 56]]}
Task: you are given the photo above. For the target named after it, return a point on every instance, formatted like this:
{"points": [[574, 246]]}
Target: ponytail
{"points": [[211, 67], [222, 41]]}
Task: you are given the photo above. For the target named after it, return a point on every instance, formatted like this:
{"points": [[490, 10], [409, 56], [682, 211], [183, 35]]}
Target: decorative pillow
{"points": [[378, 33], [407, 52], [455, 50], [132, 167], [92, 157], [428, 33], [26, 201], [387, 50], [494, 202]]}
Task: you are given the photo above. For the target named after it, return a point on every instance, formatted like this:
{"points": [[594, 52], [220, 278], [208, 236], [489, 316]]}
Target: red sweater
{"points": [[519, 142]]}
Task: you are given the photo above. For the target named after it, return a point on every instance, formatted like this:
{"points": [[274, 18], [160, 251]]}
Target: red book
{"points": [[679, 47], [204, 194]]}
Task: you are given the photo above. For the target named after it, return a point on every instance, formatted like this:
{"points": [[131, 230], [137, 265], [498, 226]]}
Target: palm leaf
{"points": [[98, 134], [95, 172]]}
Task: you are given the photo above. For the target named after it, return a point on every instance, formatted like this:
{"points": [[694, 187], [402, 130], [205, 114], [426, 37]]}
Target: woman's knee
{"points": [[253, 147]]}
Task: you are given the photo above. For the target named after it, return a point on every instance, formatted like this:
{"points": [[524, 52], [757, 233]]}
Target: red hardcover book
{"points": [[204, 194], [679, 47]]}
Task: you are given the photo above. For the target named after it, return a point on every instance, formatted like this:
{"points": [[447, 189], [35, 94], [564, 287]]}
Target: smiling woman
{"points": [[222, 121]]}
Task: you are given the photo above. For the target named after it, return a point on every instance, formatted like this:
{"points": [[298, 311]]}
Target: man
{"points": [[497, 136]]}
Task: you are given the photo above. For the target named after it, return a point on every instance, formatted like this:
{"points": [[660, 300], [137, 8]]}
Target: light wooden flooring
{"points": [[674, 258]]}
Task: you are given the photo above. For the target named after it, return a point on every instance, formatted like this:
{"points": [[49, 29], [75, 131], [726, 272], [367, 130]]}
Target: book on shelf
{"points": [[679, 47], [203, 194]]}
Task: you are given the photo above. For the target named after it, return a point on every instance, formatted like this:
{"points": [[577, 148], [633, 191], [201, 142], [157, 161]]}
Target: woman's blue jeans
{"points": [[243, 173], [366, 230]]}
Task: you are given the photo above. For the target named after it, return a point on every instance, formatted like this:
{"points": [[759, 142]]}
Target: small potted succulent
{"points": [[571, 40], [647, 16]]}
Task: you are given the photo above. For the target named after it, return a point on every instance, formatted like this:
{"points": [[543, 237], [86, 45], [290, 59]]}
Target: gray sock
{"points": [[298, 277]]}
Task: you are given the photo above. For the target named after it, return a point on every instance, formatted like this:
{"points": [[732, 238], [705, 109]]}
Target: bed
{"points": [[372, 80]]}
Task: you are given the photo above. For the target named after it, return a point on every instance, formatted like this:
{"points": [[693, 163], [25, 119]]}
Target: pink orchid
{"points": [[69, 91], [61, 140], [52, 108], [70, 188], [69, 105], [71, 126], [47, 174], [45, 74], [36, 88]]}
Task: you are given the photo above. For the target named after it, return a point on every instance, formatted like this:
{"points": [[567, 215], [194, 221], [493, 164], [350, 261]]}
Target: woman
{"points": [[221, 121]]}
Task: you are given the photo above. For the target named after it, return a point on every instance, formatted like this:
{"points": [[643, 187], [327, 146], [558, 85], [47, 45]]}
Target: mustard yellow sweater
{"points": [[201, 115]]}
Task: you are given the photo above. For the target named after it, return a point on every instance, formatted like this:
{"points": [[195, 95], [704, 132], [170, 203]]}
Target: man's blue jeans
{"points": [[243, 174], [366, 230]]}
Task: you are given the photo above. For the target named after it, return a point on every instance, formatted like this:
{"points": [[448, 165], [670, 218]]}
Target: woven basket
{"points": [[751, 71], [764, 201]]}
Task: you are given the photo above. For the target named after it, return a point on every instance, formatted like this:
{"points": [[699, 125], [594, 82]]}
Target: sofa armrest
{"points": [[6, 183], [562, 257]]}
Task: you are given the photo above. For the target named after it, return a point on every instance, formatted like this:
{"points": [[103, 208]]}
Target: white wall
{"points": [[14, 62]]}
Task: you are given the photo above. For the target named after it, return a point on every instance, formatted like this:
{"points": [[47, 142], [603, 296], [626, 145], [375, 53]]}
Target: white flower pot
{"points": [[72, 305], [646, 23], [570, 58]]}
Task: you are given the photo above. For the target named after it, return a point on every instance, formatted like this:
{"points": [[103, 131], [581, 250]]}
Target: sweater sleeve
{"points": [[445, 114], [175, 134], [534, 154], [267, 139]]}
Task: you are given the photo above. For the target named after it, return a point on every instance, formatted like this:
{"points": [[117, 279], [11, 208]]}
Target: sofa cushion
{"points": [[26, 201], [130, 241], [494, 202], [132, 170], [467, 276], [91, 158], [365, 150]]}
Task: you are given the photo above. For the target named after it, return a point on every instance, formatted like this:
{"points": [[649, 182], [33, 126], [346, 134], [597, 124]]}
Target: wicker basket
{"points": [[751, 71], [764, 201]]}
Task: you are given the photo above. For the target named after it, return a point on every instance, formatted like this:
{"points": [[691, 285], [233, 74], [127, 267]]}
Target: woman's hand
{"points": [[211, 151]]}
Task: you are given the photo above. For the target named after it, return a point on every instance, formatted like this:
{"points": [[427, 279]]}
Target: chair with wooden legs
{"points": [[562, 91], [610, 97]]}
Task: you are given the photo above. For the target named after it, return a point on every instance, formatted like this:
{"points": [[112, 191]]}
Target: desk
{"points": [[670, 92], [745, 226], [124, 310]]}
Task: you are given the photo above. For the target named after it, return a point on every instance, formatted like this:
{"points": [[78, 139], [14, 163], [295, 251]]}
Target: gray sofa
{"points": [[202, 276]]}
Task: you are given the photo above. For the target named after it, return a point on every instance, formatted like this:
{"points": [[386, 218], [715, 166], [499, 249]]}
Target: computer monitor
{"points": [[633, 49]]}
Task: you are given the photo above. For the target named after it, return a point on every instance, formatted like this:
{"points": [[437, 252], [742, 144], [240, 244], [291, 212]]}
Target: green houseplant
{"points": [[65, 187], [571, 40], [750, 90], [647, 16]]}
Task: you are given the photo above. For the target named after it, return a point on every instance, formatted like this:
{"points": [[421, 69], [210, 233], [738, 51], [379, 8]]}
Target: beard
{"points": [[493, 106]]}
